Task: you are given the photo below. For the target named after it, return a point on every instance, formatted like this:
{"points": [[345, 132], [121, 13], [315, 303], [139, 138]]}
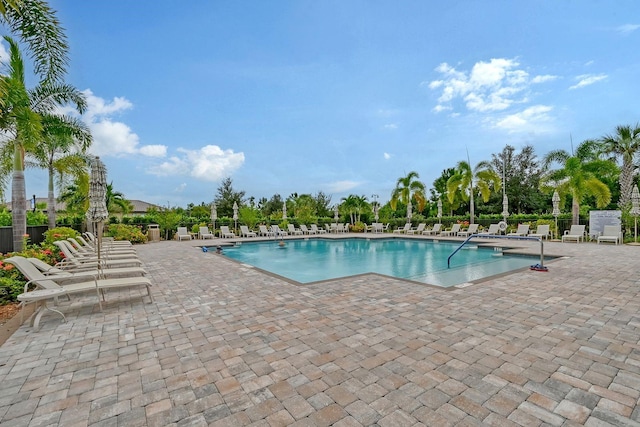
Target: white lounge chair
{"points": [[293, 230], [83, 247], [106, 241], [418, 230], [472, 229], [575, 233], [264, 231], [104, 273], [35, 276], [492, 230], [305, 230], [316, 230], [523, 230], [275, 229], [245, 232], [404, 229], [611, 233], [71, 260], [226, 233], [205, 233], [453, 231], [433, 231], [183, 234], [542, 232]]}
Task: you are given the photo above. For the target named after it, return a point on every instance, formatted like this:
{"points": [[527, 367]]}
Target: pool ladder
{"points": [[495, 236]]}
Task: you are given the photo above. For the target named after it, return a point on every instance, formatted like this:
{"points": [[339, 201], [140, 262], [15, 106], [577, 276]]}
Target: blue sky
{"points": [[342, 96]]}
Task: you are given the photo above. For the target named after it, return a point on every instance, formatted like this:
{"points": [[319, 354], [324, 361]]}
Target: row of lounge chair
{"points": [[82, 270]]}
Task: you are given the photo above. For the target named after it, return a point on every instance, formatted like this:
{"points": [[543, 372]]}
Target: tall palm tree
{"points": [[466, 181], [76, 195], [354, 206], [36, 24], [61, 152], [115, 201], [578, 176], [624, 144], [22, 118], [408, 188]]}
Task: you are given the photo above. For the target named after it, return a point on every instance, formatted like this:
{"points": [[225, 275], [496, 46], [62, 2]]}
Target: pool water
{"points": [[312, 260]]}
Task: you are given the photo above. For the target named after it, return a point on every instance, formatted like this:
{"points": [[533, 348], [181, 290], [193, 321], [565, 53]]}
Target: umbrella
{"points": [[214, 215], [235, 214], [97, 212], [375, 211], [505, 207], [555, 199], [284, 210], [409, 211], [635, 210], [336, 214], [439, 210]]}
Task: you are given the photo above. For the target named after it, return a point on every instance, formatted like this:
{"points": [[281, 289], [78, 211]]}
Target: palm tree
{"points": [[24, 118], [408, 188], [36, 24], [625, 144], [354, 205], [465, 181], [578, 176], [65, 140], [115, 201], [76, 195]]}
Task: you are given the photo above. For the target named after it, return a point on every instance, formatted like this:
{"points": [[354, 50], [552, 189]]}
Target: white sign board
{"points": [[598, 219]]}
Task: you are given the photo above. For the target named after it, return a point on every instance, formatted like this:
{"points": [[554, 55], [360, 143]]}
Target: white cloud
{"points": [[532, 119], [627, 29], [342, 186], [386, 156], [391, 126], [110, 137], [489, 86], [209, 163], [4, 54], [587, 79], [543, 79], [180, 188]]}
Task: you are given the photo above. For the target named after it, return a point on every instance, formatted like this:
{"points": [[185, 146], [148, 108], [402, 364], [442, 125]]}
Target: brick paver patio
{"points": [[226, 345]]}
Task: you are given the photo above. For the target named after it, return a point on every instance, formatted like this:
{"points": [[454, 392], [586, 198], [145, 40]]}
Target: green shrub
{"points": [[59, 233], [131, 233], [10, 289]]}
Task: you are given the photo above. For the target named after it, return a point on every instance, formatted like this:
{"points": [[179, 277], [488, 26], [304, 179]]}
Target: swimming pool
{"points": [[313, 260]]}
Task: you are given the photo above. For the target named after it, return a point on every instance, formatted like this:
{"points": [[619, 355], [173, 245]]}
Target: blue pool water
{"points": [[313, 260]]}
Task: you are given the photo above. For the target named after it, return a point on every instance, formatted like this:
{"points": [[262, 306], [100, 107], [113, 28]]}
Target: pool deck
{"points": [[226, 345]]}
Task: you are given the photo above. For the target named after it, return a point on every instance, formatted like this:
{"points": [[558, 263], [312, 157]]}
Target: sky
{"points": [[338, 96]]}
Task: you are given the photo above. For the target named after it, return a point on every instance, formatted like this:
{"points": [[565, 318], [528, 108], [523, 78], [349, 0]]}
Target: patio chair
{"points": [[575, 233], [183, 234], [472, 229], [245, 232], [104, 273], [275, 229], [542, 232], [73, 261], [35, 276], [316, 230], [111, 253], [418, 230], [434, 231], [453, 231], [264, 231], [293, 230], [491, 231], [523, 230], [226, 233], [205, 233], [611, 233], [106, 241], [305, 230], [404, 229]]}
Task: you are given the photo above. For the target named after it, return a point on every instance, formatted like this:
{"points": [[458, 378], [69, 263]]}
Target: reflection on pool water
{"points": [[312, 260]]}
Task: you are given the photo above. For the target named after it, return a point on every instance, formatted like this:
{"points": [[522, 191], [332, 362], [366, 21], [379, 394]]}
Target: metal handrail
{"points": [[495, 236]]}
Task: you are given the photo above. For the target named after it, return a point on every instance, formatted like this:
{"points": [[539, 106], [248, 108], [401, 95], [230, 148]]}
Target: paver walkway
{"points": [[226, 345]]}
